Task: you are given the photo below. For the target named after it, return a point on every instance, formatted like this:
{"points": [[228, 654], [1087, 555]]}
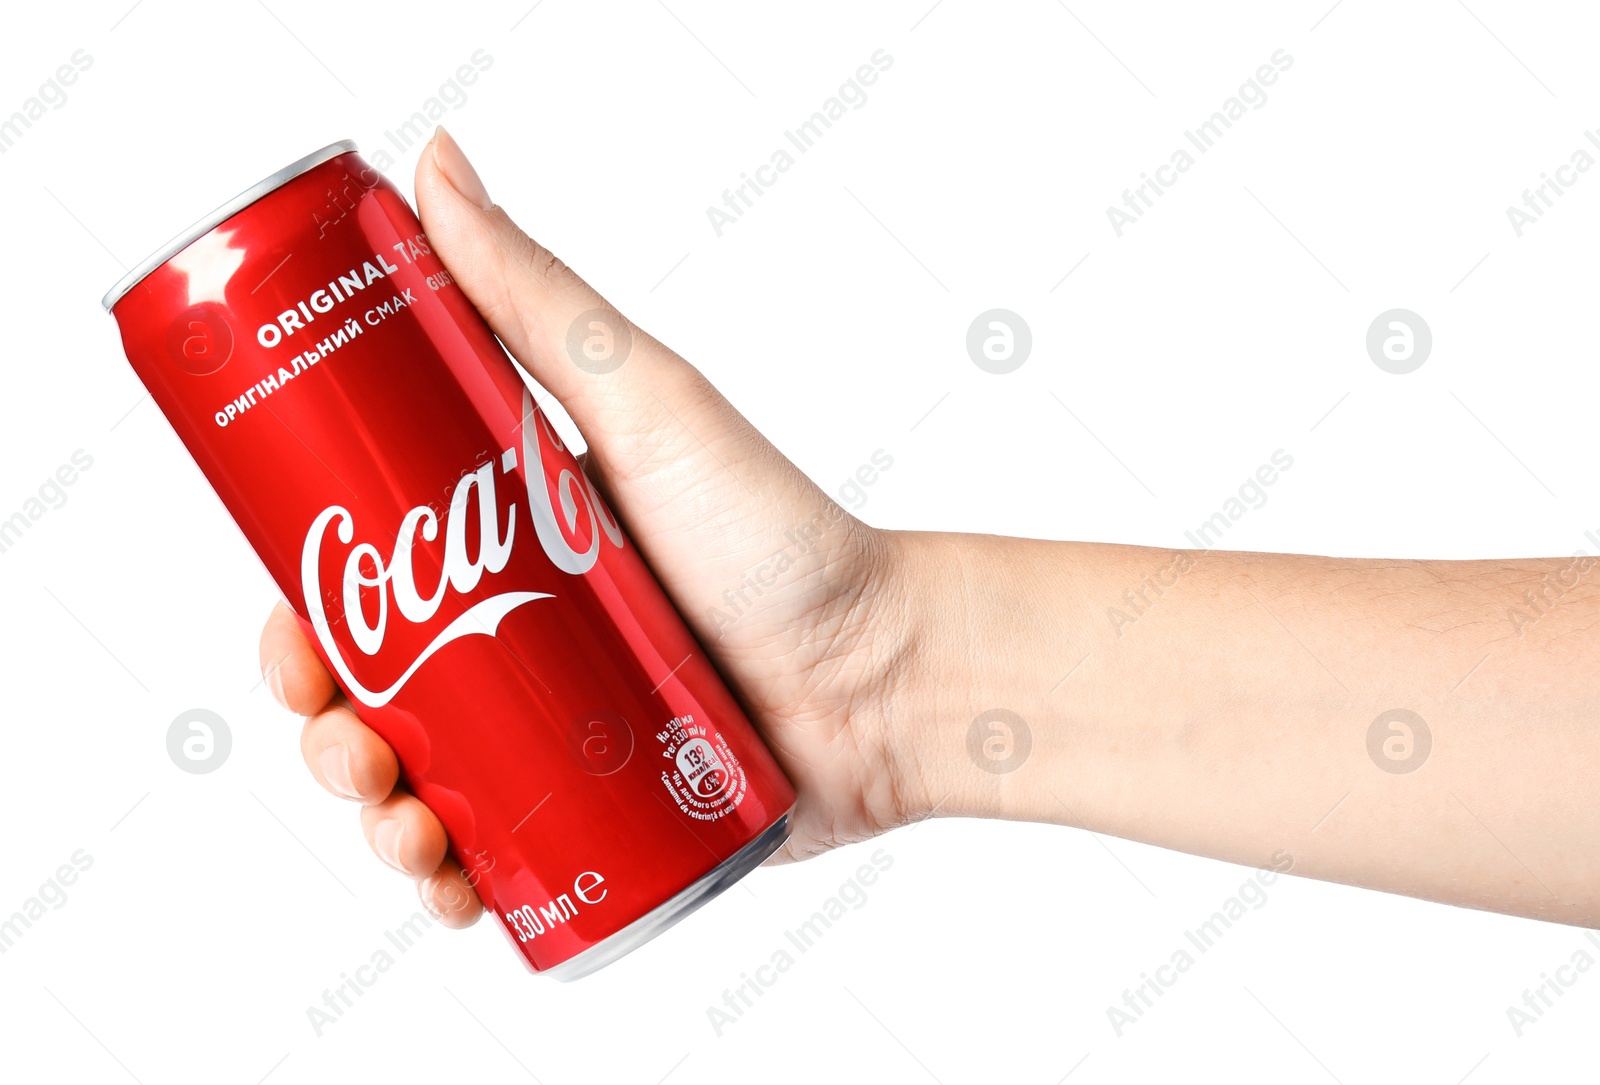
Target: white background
{"points": [[1227, 323]]}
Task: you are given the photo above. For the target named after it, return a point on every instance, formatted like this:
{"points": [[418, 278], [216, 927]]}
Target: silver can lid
{"points": [[222, 214]]}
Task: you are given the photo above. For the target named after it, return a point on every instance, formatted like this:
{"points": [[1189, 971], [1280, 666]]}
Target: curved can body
{"points": [[464, 582]]}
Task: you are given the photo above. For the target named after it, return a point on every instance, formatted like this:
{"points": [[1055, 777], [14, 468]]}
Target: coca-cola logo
{"points": [[378, 590]]}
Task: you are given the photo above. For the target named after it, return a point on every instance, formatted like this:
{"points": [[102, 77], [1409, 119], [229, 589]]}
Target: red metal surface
{"points": [[531, 702]]}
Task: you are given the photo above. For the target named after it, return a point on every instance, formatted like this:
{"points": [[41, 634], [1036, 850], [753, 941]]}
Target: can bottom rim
{"points": [[722, 878]]}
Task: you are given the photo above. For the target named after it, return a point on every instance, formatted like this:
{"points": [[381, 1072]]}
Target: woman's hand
{"points": [[706, 499], [1247, 717]]}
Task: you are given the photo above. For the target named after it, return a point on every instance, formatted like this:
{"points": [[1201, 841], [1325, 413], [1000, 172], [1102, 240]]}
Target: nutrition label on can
{"points": [[702, 775]]}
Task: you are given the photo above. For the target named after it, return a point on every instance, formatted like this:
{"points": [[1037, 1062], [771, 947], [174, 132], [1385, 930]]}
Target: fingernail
{"points": [[425, 893], [458, 171], [386, 839], [335, 761], [275, 684]]}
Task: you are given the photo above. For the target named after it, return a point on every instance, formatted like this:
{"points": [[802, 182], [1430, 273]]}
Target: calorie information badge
{"points": [[704, 777]]}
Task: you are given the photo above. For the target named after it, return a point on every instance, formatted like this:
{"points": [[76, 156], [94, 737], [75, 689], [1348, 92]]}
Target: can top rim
{"points": [[222, 214]]}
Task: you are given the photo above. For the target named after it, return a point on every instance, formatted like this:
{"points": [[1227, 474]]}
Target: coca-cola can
{"points": [[472, 594]]}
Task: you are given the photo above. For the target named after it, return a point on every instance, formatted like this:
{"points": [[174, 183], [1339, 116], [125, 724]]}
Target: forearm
{"points": [[1224, 708]]}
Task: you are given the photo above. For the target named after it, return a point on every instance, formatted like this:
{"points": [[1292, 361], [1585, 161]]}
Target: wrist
{"points": [[978, 637], [1016, 694]]}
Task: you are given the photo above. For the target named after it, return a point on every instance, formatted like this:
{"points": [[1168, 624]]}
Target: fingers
{"points": [[446, 894], [347, 757], [408, 836], [292, 671], [404, 833]]}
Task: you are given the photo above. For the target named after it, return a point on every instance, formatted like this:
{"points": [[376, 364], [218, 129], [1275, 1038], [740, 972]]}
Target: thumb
{"points": [[566, 335], [668, 449]]}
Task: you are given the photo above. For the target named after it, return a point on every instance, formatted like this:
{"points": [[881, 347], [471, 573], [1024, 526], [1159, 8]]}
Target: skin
{"points": [[1227, 714]]}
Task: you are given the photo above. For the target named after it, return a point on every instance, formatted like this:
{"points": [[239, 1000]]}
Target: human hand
{"points": [[706, 499], [1210, 730]]}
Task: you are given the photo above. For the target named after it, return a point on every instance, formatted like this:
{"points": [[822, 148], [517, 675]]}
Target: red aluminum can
{"points": [[463, 581]]}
